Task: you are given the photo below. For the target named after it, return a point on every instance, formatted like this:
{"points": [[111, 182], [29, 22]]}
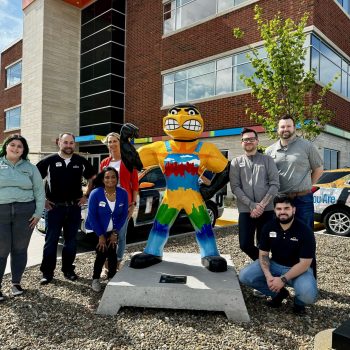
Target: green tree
{"points": [[280, 81]]}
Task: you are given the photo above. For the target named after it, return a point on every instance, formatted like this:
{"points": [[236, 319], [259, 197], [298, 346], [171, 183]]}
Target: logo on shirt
{"points": [[102, 204], [294, 239], [58, 164], [4, 166], [75, 166], [273, 234]]}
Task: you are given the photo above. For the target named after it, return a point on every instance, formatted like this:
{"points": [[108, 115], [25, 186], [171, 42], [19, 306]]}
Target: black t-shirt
{"points": [[287, 247], [63, 182]]}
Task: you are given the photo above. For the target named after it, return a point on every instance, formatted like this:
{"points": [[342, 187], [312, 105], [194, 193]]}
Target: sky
{"points": [[11, 22]]}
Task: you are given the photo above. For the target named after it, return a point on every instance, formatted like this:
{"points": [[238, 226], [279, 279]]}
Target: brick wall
{"points": [[12, 96], [148, 54]]}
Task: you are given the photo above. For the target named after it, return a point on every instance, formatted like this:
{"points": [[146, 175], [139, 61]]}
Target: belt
{"points": [[292, 195], [66, 203]]}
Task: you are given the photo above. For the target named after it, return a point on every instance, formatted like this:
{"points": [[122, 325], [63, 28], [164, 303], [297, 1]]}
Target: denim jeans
{"points": [[246, 231], [15, 235], [304, 206], [305, 286], [122, 240], [68, 218]]}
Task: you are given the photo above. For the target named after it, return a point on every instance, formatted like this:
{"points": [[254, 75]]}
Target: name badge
{"points": [[273, 234], [4, 166], [58, 164], [102, 204]]}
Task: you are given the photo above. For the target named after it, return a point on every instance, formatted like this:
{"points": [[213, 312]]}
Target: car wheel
{"points": [[213, 214], [337, 222]]}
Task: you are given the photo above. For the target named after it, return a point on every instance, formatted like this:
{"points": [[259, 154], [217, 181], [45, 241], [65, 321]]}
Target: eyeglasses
{"points": [[249, 139]]}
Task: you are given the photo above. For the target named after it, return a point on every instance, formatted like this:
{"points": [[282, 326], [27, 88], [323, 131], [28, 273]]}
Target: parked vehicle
{"points": [[332, 201], [151, 191]]}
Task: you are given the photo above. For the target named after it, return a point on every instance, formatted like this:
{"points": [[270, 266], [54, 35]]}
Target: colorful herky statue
{"points": [[182, 159]]}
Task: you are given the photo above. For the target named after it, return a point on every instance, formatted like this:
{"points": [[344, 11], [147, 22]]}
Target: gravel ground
{"points": [[62, 315]]}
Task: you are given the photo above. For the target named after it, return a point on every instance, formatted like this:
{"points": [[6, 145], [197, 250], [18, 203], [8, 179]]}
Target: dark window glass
{"points": [[103, 20], [117, 99], [118, 51], [95, 101], [99, 54], [103, 129], [96, 70], [96, 85], [95, 117], [117, 83], [87, 29], [330, 177], [118, 67], [118, 19], [330, 159], [97, 39], [119, 5], [88, 13], [102, 6], [103, 115], [118, 35]]}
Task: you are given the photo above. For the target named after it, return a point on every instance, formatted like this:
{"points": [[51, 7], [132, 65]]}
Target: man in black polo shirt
{"points": [[292, 244], [64, 197]]}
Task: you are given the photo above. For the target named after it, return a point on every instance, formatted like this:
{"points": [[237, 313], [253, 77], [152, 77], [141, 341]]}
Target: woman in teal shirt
{"points": [[22, 199]]}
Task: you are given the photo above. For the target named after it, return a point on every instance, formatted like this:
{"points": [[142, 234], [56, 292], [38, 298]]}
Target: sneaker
{"points": [[258, 294], [299, 310], [45, 280], [72, 276], [96, 285], [2, 298], [277, 300], [104, 273], [17, 290]]}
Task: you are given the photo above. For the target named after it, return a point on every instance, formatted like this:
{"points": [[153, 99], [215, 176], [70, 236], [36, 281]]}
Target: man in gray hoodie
{"points": [[255, 182]]}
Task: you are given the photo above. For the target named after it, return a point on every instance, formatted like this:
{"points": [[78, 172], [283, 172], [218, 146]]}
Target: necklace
{"points": [[109, 194]]}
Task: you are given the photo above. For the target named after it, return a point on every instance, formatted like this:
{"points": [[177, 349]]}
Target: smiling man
{"points": [[292, 246], [254, 182], [64, 197]]}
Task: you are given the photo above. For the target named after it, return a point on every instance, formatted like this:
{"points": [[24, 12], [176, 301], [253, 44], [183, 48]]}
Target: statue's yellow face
{"points": [[183, 123]]}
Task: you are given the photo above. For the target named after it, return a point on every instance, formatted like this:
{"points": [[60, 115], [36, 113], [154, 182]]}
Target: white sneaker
{"points": [[17, 290], [96, 285]]}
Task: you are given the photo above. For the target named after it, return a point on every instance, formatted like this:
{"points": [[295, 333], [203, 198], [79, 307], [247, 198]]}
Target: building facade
{"points": [[90, 66]]}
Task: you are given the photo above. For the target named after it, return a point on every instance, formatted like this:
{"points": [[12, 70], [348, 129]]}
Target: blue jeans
{"points": [[15, 235], [122, 240], [305, 286], [246, 231], [67, 218], [304, 206]]}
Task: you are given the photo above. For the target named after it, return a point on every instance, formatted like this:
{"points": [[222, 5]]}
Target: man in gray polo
{"points": [[254, 182], [299, 165]]}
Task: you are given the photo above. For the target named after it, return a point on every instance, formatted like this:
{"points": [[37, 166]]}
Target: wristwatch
{"points": [[284, 279]]}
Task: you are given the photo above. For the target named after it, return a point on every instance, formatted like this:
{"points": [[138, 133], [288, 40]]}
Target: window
{"points": [[13, 118], [14, 74], [328, 64], [330, 159], [345, 4], [213, 78], [181, 13]]}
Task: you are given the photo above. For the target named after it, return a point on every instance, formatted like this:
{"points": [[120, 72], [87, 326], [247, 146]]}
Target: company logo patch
{"points": [[294, 239], [273, 234]]}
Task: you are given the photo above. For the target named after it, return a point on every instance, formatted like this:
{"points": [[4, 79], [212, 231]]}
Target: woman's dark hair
{"points": [[98, 181], [12, 138]]}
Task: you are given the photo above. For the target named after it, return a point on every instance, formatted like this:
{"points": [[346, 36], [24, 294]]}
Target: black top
{"points": [[64, 182], [287, 247]]}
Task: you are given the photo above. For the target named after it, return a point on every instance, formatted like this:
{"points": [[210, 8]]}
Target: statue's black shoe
{"points": [[215, 263], [143, 260]]}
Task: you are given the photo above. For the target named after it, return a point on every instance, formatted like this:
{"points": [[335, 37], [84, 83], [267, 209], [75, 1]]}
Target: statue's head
{"points": [[183, 122]]}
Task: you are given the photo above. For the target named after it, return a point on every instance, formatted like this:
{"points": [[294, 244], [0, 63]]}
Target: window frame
{"points": [[20, 115], [7, 68]]}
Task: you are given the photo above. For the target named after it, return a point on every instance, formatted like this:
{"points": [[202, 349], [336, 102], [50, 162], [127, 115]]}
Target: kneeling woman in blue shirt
{"points": [[107, 212]]}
